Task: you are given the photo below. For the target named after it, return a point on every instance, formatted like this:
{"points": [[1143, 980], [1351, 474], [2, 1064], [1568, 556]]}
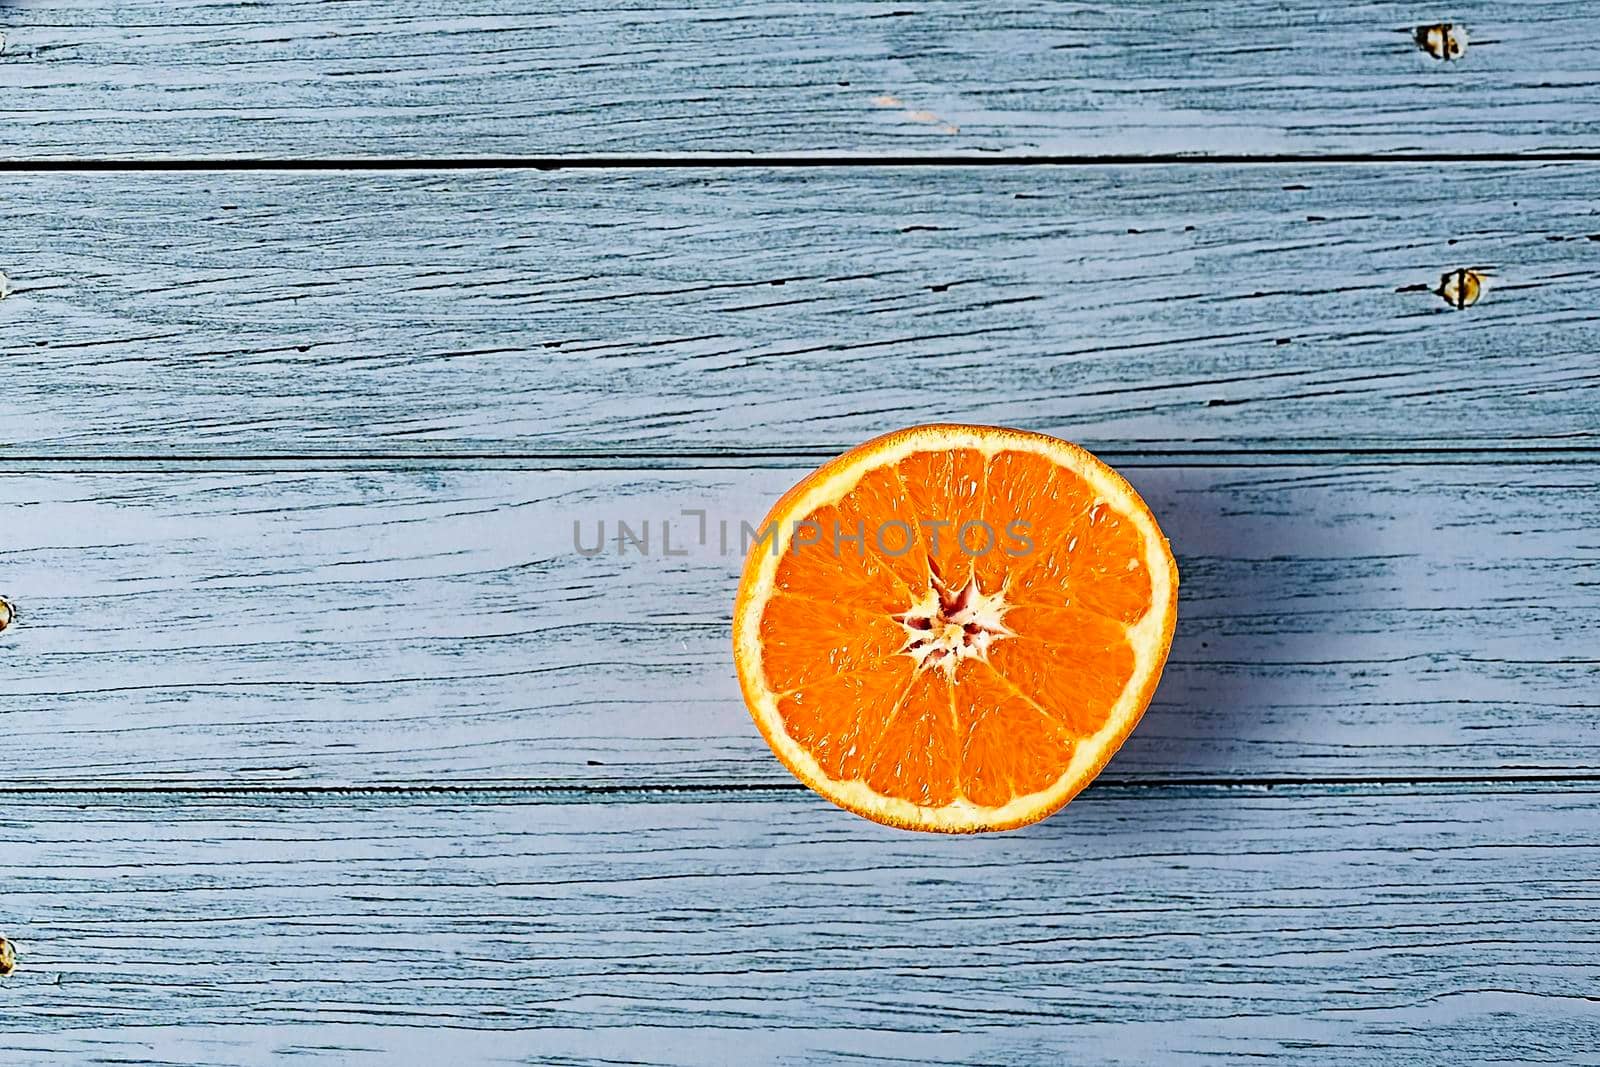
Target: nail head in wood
{"points": [[1442, 40], [1461, 288]]}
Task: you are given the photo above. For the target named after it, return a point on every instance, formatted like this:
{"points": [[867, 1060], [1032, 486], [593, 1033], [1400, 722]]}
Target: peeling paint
{"points": [[918, 115]]}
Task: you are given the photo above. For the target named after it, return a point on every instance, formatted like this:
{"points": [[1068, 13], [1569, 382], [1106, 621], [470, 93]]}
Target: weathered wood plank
{"points": [[1318, 925], [439, 626], [496, 312], [185, 78]]}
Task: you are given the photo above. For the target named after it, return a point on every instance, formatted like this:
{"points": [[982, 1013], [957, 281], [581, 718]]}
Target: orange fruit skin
{"points": [[751, 673]]}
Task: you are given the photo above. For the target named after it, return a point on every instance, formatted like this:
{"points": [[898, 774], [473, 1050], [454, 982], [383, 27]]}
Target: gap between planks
{"points": [[805, 458], [649, 162], [468, 792]]}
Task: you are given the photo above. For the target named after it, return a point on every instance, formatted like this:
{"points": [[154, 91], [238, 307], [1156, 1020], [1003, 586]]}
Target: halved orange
{"points": [[953, 628]]}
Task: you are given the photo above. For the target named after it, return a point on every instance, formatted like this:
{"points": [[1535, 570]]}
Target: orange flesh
{"points": [[1002, 718]]}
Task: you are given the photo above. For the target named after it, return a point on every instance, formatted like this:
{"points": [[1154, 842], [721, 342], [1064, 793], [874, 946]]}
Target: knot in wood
{"points": [[1442, 40], [8, 614], [1461, 288], [8, 958]]}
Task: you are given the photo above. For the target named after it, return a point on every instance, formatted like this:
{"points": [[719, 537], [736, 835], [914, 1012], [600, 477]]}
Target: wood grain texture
{"points": [[186, 78], [344, 422], [1318, 925], [749, 309], [437, 627]]}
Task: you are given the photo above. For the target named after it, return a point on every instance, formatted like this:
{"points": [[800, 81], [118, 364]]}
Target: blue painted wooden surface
{"points": [[758, 309], [1310, 924], [324, 628], [430, 78], [323, 744]]}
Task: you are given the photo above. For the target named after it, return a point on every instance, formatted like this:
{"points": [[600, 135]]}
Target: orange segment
{"points": [[1011, 748], [1032, 498], [875, 509], [1074, 664], [917, 756], [840, 719], [958, 628], [795, 629], [1107, 572], [943, 489]]}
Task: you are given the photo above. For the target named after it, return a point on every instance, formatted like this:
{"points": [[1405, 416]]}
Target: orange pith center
{"points": [[946, 625], [943, 675]]}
